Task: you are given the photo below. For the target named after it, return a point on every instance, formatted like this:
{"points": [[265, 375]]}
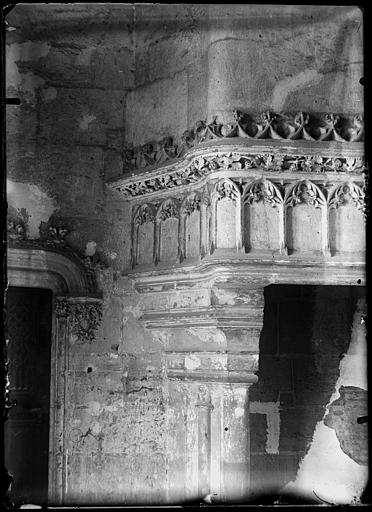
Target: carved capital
{"points": [[84, 317]]}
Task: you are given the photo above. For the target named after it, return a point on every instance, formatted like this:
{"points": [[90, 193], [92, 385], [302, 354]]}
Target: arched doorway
{"points": [[29, 329], [39, 281]]}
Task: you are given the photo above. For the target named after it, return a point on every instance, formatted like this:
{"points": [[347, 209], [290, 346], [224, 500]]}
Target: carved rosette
{"points": [[263, 190], [84, 317]]}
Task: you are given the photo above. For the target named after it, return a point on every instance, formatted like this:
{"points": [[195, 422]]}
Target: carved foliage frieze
{"points": [[84, 317], [269, 125], [201, 167]]}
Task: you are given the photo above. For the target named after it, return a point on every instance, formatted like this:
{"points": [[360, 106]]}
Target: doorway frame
{"points": [[52, 270]]}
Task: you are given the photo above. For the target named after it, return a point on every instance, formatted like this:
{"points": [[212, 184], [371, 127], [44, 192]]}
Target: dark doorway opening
{"points": [[29, 322]]}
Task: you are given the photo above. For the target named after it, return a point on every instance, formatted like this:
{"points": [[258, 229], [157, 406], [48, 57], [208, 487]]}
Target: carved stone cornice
{"points": [[301, 126], [243, 158], [84, 316], [295, 271]]}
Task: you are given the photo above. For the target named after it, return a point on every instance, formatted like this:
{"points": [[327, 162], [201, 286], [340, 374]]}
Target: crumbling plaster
{"points": [[93, 81]]}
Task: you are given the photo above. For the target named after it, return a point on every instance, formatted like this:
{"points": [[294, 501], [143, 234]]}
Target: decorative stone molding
{"points": [[212, 366], [186, 174], [55, 250], [84, 316], [302, 126]]}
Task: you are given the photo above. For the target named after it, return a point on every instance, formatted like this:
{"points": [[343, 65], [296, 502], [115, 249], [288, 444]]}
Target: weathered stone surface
{"points": [[343, 418], [97, 81]]}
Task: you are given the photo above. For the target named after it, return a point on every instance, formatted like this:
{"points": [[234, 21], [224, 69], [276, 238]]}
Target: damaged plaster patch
{"points": [[284, 87], [271, 410], [208, 334], [326, 469], [24, 83], [38, 205], [85, 121]]}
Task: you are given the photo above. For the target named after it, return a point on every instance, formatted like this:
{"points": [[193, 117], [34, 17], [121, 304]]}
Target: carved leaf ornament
{"points": [[301, 126], [84, 318]]}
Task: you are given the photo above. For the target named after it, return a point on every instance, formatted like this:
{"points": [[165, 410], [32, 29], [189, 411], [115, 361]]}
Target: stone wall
{"points": [[96, 80]]}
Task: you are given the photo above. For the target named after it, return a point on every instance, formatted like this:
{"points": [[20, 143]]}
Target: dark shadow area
{"points": [[26, 431]]}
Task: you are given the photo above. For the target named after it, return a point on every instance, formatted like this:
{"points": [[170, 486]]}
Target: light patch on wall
{"points": [[85, 121], [283, 88], [24, 83], [38, 205], [208, 334], [239, 412], [49, 94], [90, 248], [94, 408], [84, 57], [326, 469], [191, 362], [271, 410]]}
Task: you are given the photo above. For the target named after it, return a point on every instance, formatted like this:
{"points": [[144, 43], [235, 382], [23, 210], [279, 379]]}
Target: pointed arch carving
{"points": [[191, 226], [143, 235], [306, 223], [167, 231], [225, 232], [346, 219], [262, 216]]}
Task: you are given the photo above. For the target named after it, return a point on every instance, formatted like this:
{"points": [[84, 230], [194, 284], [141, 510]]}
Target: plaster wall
{"points": [[93, 81]]}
